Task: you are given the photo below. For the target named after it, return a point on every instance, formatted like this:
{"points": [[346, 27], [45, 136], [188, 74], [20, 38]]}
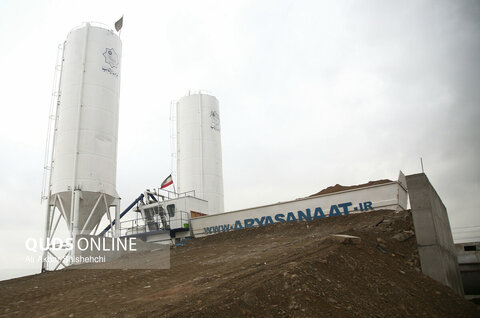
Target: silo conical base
{"points": [[92, 207]]}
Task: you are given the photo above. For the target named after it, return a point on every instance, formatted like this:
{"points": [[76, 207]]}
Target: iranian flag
{"points": [[168, 181]]}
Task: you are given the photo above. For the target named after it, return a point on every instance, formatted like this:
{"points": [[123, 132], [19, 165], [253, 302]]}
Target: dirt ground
{"points": [[339, 187], [284, 269]]}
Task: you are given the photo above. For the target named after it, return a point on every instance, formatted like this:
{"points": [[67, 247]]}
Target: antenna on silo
{"points": [[421, 163]]}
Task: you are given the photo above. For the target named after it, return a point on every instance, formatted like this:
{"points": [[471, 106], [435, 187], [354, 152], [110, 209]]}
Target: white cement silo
{"points": [[83, 178], [199, 149]]}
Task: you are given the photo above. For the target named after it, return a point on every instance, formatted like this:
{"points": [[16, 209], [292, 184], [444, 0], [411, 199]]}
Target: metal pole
{"points": [[74, 207], [47, 233], [421, 162], [117, 217], [108, 215]]}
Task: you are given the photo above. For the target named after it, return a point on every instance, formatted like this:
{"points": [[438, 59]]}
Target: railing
{"points": [[174, 195], [181, 220]]}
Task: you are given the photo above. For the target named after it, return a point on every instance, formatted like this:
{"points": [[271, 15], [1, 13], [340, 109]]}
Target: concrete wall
{"points": [[434, 236]]}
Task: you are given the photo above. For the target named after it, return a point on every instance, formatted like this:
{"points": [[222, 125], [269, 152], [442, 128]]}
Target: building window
{"points": [[171, 210], [468, 248]]}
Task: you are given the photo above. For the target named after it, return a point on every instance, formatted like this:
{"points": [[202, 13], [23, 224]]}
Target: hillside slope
{"points": [[285, 269]]}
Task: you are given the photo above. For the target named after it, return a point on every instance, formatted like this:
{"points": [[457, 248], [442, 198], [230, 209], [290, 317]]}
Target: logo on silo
{"points": [[215, 120], [111, 57]]}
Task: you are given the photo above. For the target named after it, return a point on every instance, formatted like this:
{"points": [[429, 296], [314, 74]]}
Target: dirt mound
{"points": [[284, 269], [338, 187]]}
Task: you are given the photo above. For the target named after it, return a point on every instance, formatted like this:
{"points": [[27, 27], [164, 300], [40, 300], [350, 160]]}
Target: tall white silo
{"points": [[199, 149], [82, 183]]}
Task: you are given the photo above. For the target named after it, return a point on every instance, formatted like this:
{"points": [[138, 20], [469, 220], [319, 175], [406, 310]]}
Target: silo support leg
{"points": [[108, 215], [116, 205], [76, 211], [76, 196], [47, 233], [53, 209]]}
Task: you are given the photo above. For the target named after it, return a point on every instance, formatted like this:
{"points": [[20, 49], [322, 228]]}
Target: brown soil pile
{"points": [[284, 269], [338, 187]]}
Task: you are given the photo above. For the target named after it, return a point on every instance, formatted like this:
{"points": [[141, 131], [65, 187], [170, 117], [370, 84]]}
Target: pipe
{"points": [[152, 197]]}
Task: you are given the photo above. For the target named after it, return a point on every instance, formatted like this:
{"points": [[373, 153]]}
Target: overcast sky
{"points": [[312, 93]]}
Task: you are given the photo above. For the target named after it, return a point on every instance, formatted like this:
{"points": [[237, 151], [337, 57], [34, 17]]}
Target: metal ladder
{"points": [[52, 124]]}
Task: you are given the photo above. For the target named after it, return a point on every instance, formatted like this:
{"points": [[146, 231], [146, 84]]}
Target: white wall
{"points": [[391, 196]]}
